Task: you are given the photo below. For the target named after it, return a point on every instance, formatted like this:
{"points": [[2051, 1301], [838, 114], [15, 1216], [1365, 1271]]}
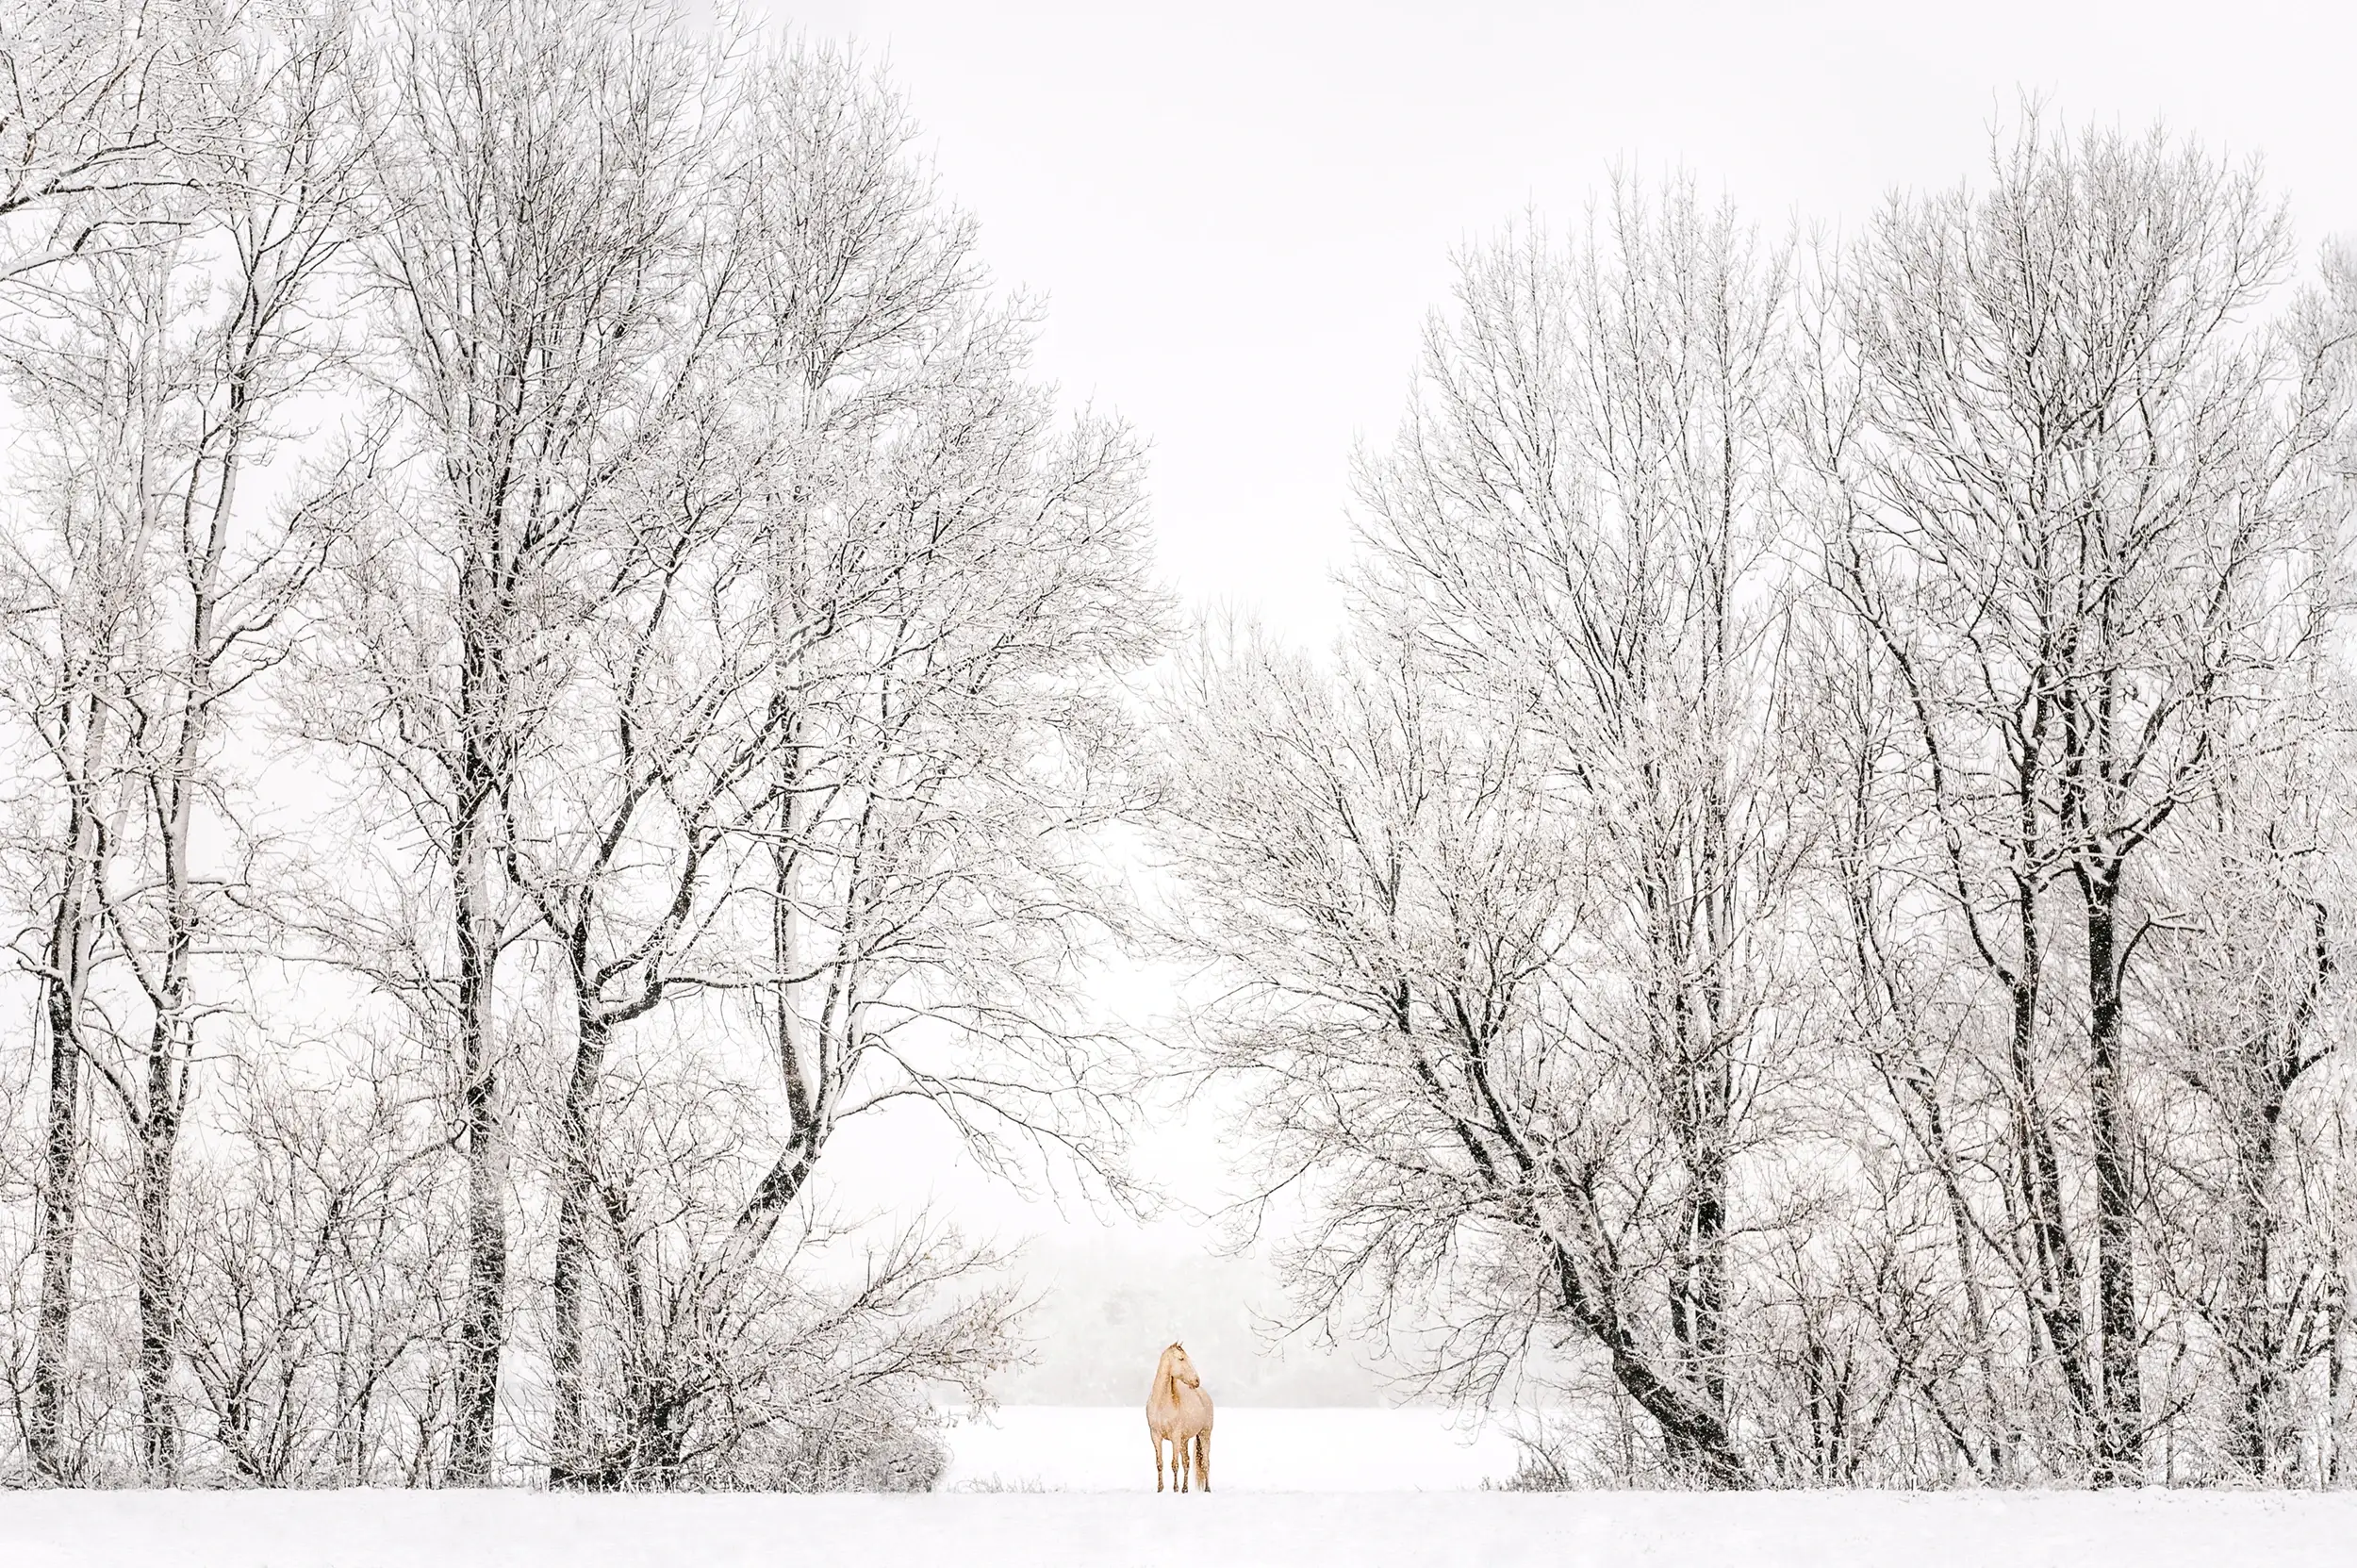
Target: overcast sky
{"points": [[1240, 214]]}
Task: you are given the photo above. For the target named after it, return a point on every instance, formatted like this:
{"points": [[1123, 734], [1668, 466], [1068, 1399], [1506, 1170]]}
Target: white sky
{"points": [[1240, 214]]}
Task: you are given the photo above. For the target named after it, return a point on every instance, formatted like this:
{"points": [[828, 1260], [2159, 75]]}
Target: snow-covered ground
{"points": [[1037, 1485], [1098, 1449], [525, 1529]]}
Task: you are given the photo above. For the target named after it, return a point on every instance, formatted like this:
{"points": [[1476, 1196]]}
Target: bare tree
{"points": [[1405, 917], [311, 1298], [770, 564], [157, 588], [1894, 982], [811, 1367], [89, 96], [955, 590], [2246, 982], [1588, 510], [2067, 491], [1577, 536], [626, 830], [538, 177]]}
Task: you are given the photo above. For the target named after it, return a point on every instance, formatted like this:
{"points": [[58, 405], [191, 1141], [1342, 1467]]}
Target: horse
{"points": [[1179, 1412]]}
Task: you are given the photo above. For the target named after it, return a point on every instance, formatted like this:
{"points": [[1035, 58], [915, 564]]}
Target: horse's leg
{"points": [[1179, 1463], [1203, 1457], [1155, 1439]]}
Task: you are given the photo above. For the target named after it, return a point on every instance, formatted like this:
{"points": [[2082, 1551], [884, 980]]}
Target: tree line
{"points": [[557, 657], [557, 654], [1806, 917]]}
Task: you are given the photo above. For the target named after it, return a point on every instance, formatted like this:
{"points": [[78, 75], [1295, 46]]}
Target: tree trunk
{"points": [[2251, 1336], [159, 1428], [2119, 1445], [2054, 1278], [171, 1043], [482, 1317], [57, 1223], [2338, 1384], [60, 1213], [1994, 1461], [802, 1059], [1700, 1317], [775, 1193], [1694, 1434], [568, 1458]]}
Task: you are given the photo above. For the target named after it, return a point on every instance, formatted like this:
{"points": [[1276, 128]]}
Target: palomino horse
{"points": [[1178, 1411]]}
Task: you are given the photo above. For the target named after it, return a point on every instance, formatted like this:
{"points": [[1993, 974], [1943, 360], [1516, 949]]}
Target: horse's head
{"points": [[1177, 1366]]}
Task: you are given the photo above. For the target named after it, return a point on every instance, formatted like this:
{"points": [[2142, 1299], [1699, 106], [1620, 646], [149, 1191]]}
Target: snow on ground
{"points": [[1365, 1487], [1103, 1448], [1623, 1529]]}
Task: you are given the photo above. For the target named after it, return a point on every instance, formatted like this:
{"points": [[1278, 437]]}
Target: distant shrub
{"points": [[879, 1451], [1556, 1452], [1539, 1466], [1003, 1483]]}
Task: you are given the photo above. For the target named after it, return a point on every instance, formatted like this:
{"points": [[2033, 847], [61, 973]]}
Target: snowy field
{"points": [[1049, 1485], [1100, 1449], [1032, 1485], [524, 1529]]}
